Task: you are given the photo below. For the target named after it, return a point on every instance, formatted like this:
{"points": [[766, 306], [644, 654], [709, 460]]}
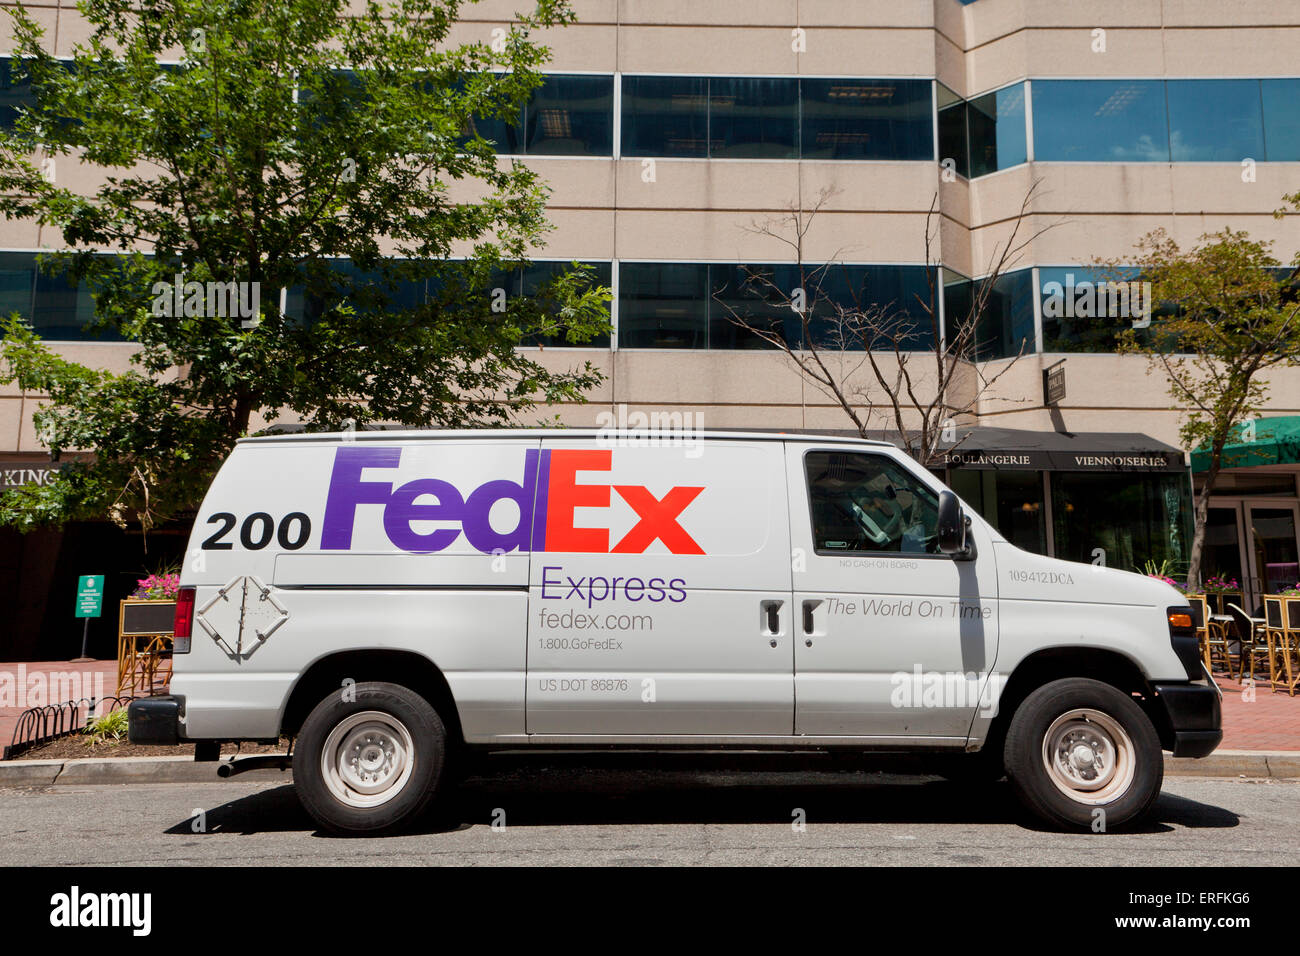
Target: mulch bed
{"points": [[74, 747]]}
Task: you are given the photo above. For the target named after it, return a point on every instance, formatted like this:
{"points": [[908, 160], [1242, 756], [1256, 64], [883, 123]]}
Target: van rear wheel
{"points": [[369, 758], [1082, 754]]}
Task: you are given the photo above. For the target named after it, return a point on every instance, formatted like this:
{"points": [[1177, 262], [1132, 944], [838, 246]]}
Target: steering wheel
{"points": [[868, 526]]}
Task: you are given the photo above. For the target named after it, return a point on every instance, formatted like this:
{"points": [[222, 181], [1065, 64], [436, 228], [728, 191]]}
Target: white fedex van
{"points": [[393, 600]]}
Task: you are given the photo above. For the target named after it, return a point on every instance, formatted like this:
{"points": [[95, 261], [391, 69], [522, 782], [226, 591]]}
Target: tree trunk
{"points": [[1202, 513]]}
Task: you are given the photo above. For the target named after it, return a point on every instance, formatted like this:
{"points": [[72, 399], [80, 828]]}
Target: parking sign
{"points": [[90, 595]]}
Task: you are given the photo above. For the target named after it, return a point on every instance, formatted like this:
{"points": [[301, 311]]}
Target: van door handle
{"points": [[809, 625], [773, 609]]}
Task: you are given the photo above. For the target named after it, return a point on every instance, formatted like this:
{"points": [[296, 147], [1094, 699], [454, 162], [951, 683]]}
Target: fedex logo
{"points": [[547, 496]]}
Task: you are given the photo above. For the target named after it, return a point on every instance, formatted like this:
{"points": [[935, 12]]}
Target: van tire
{"points": [[1118, 768], [398, 747]]}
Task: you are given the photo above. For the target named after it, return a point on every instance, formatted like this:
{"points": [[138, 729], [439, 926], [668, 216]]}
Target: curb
{"points": [[1280, 764], [100, 770], [1237, 763]]}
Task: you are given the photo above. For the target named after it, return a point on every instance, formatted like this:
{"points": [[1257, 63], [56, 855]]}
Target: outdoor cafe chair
{"points": [[1282, 629], [1253, 644], [1216, 650], [1201, 621]]}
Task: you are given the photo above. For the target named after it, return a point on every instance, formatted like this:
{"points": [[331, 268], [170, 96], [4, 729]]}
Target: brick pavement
{"points": [[37, 683], [1271, 721]]}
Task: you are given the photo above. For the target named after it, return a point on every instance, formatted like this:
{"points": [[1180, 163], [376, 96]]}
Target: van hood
{"points": [[1028, 576]]}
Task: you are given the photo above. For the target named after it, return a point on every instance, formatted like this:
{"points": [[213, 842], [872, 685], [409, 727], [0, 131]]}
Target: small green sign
{"points": [[90, 595]]}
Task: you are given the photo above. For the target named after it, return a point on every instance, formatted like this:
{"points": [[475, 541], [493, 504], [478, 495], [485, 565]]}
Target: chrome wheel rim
{"points": [[1088, 756], [367, 759]]}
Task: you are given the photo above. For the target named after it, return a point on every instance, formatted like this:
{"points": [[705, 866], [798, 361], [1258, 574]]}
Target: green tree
{"points": [[1227, 314], [290, 135]]}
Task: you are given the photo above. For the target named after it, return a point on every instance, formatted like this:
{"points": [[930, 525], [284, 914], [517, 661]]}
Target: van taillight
{"points": [[182, 627]]}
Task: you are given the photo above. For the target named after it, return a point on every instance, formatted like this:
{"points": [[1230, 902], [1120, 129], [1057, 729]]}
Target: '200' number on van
{"points": [[257, 530]]}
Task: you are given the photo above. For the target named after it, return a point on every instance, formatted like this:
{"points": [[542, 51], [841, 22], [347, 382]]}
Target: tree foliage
{"points": [[1228, 312], [290, 134]]}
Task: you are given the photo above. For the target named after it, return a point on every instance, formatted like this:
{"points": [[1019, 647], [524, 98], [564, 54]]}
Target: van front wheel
{"points": [[369, 758], [1082, 754]]}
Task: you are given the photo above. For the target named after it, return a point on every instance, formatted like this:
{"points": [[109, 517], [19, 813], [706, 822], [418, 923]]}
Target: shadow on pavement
{"points": [[620, 789]]}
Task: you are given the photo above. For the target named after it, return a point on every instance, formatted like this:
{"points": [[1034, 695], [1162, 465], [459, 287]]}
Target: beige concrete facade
{"points": [[706, 210]]}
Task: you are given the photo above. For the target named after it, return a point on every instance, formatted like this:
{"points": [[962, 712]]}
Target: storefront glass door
{"points": [[1274, 557], [1254, 541]]}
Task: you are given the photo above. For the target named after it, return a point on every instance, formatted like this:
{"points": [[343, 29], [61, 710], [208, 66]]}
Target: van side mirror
{"points": [[952, 525]]}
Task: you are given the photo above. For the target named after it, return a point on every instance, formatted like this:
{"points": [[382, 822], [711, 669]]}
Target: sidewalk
{"points": [[1269, 722]]}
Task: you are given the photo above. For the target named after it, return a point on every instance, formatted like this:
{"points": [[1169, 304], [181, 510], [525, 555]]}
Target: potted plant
{"points": [[1162, 572], [145, 623], [1222, 584]]}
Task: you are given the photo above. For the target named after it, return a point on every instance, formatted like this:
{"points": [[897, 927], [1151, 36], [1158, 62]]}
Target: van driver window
{"points": [[869, 503]]}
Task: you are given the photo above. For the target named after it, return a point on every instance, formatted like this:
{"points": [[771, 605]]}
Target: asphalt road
{"points": [[663, 810]]}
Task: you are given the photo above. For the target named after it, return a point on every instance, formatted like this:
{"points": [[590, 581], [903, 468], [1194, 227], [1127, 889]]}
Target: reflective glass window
{"points": [[952, 129], [534, 278], [571, 116], [665, 116], [865, 119], [996, 124], [1215, 120], [1121, 121], [1281, 120], [663, 305], [753, 118], [1005, 326]]}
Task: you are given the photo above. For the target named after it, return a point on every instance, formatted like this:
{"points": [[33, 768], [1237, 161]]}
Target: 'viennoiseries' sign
{"points": [[1042, 460]]}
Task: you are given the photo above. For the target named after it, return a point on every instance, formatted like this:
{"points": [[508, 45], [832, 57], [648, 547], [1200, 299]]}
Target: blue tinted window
{"points": [[1004, 327], [866, 119], [663, 305], [952, 129], [13, 96], [506, 133], [753, 118], [665, 116], [1081, 311], [996, 122], [893, 300], [17, 283], [341, 282], [760, 295], [1281, 120], [571, 116], [534, 277], [1100, 121], [568, 115], [57, 308], [1214, 120]]}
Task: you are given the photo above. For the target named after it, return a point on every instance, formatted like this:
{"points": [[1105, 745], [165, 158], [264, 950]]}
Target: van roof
{"points": [[606, 433]]}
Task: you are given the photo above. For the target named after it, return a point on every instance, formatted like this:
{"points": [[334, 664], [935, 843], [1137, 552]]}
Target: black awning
{"points": [[1010, 449]]}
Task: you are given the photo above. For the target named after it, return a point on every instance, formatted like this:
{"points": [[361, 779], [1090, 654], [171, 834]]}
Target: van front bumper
{"points": [[155, 720], [1195, 717]]}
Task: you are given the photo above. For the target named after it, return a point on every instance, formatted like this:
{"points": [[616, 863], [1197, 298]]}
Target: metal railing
{"points": [[36, 725]]}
